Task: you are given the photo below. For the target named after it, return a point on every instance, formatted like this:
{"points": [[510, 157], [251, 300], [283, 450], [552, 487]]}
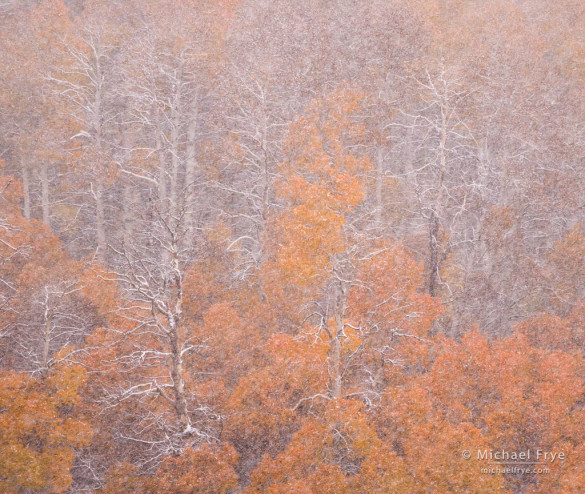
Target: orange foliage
{"points": [[323, 183], [37, 434], [482, 395], [203, 470]]}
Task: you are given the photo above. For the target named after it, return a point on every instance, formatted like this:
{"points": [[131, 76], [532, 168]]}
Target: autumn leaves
{"points": [[317, 373]]}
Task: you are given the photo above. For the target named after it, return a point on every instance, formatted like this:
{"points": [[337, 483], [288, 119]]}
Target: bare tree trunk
{"points": [[127, 192], [191, 169], [175, 162], [435, 218], [100, 220], [162, 166], [266, 170], [26, 187], [334, 354], [379, 186], [433, 254], [334, 362], [178, 381], [409, 163], [44, 175], [47, 317], [176, 345], [127, 207]]}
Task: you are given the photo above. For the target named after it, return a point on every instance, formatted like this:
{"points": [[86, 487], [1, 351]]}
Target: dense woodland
{"points": [[275, 246]]}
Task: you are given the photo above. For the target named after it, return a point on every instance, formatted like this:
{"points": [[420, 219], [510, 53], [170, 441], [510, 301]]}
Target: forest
{"points": [[292, 247]]}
